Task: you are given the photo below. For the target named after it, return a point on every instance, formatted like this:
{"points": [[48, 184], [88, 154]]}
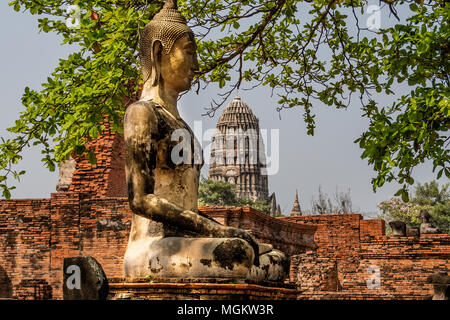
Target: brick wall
{"points": [[314, 272], [24, 245], [372, 229], [404, 263], [105, 225], [361, 251], [337, 237], [90, 227], [106, 178], [36, 236], [291, 238]]}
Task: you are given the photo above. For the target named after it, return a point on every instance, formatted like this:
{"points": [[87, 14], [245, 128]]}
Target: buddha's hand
{"points": [[231, 232]]}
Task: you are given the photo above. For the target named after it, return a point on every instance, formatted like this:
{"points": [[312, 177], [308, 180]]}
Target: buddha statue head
{"points": [[167, 49]]}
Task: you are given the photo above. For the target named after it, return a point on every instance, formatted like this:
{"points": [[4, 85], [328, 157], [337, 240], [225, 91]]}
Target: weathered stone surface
{"points": [[441, 285], [66, 170], [412, 232], [112, 224], [398, 228], [84, 279], [188, 257], [427, 224]]}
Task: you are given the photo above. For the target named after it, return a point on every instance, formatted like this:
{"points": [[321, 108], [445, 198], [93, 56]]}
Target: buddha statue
{"points": [[427, 223], [169, 238]]}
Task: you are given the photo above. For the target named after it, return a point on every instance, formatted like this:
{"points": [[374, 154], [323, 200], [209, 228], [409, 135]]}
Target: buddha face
{"points": [[178, 67]]}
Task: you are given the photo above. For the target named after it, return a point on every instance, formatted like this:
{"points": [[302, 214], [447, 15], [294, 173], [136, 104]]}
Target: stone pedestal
{"points": [[196, 289]]}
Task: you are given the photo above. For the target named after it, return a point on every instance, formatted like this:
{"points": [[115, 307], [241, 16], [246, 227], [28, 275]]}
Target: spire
{"points": [[237, 153], [296, 211]]}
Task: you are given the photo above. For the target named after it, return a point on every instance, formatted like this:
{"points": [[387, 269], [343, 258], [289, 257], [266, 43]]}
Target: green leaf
{"points": [[405, 196], [92, 157], [6, 194], [413, 7], [439, 175]]}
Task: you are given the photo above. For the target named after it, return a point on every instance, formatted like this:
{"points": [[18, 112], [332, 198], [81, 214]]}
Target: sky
{"points": [[328, 159]]}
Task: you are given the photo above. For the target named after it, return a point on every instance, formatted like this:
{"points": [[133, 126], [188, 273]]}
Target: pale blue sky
{"points": [[329, 159]]}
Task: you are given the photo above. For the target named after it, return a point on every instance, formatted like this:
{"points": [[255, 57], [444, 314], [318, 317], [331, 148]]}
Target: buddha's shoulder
{"points": [[144, 104], [142, 108]]}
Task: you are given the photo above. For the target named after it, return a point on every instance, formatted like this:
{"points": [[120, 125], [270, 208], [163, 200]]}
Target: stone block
{"points": [[84, 279], [441, 285]]}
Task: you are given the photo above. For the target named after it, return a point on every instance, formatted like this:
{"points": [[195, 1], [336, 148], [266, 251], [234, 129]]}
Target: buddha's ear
{"points": [[156, 63]]}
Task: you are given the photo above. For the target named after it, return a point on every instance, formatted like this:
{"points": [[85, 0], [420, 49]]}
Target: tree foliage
{"points": [[303, 50], [223, 194], [216, 193], [429, 196]]}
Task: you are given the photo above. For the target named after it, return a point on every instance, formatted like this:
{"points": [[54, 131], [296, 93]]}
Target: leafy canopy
{"points": [[303, 50]]}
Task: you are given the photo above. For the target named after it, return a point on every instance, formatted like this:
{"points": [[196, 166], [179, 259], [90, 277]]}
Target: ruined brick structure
{"points": [[353, 252], [291, 238], [92, 218], [330, 254]]}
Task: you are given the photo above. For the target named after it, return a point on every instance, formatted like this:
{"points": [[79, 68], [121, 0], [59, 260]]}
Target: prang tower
{"points": [[238, 152]]}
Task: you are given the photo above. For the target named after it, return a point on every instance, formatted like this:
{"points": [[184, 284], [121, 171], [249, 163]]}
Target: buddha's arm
{"points": [[140, 156]]}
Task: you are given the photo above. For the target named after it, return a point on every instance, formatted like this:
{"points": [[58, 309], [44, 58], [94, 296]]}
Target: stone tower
{"points": [[296, 211], [238, 152]]}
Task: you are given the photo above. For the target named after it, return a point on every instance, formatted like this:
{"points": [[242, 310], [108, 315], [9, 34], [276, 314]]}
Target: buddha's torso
{"points": [[177, 182], [174, 182]]}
